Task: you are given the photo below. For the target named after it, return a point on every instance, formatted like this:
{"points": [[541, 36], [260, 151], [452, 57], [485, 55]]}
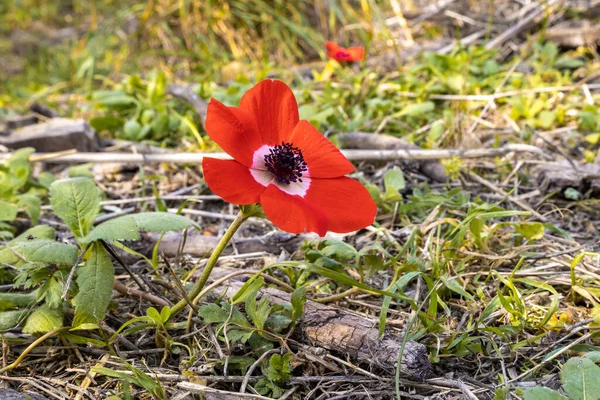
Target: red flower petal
{"points": [[292, 213], [274, 106], [356, 53], [231, 180], [234, 130], [333, 49], [347, 205], [323, 159], [343, 54]]}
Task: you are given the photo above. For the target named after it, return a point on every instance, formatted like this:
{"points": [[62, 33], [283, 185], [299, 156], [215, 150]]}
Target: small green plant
{"points": [[139, 110], [394, 183], [46, 265], [580, 378], [19, 192], [275, 372], [263, 324]]}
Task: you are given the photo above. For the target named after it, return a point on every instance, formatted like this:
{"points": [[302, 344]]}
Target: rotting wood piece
{"points": [[560, 176], [338, 331], [359, 140]]}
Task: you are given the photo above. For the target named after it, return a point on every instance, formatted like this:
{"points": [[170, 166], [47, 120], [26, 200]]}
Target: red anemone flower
{"points": [[342, 54], [283, 163]]}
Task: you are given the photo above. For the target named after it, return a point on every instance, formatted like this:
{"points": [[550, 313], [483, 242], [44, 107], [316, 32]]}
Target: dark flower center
{"points": [[342, 54], [286, 163]]}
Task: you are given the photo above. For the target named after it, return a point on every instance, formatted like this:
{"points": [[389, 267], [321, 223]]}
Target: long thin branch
{"points": [[353, 155]]}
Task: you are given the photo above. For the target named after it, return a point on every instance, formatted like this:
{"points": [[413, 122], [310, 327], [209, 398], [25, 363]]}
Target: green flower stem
{"points": [[212, 261]]}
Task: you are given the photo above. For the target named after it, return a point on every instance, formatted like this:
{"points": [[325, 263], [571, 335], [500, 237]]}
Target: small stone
{"points": [[57, 134]]}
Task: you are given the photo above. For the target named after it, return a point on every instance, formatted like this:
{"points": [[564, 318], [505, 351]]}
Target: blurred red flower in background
{"points": [[342, 54], [283, 163]]}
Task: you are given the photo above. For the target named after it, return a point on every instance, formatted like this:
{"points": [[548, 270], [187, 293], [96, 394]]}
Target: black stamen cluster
{"points": [[286, 163]]}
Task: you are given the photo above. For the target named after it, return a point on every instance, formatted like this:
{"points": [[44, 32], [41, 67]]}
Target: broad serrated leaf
{"points": [[279, 368], [44, 319], [542, 393], [580, 377], [39, 232], [8, 301], [48, 251], [121, 228], [212, 314], [128, 227], [95, 281], [258, 311], [10, 319], [76, 201], [8, 211]]}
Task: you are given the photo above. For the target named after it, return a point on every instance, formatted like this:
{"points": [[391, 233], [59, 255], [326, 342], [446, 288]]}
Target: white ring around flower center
{"points": [[262, 175]]}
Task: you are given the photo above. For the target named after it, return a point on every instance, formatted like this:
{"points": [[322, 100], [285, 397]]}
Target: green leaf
{"points": [[48, 251], [38, 232], [9, 301], [531, 230], [95, 281], [44, 319], [76, 201], [212, 314], [8, 211], [248, 289], [32, 206], [580, 377], [592, 138], [113, 99], [298, 299], [568, 63], [106, 123], [154, 315], [10, 319], [279, 368], [338, 250], [453, 285], [258, 312], [165, 314], [542, 393], [121, 228], [132, 129], [546, 119], [394, 179], [127, 227], [416, 109], [82, 170]]}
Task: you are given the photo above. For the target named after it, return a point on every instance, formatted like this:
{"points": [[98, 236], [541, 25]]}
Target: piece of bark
{"points": [[336, 330], [561, 176], [199, 246], [359, 140], [57, 134]]}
